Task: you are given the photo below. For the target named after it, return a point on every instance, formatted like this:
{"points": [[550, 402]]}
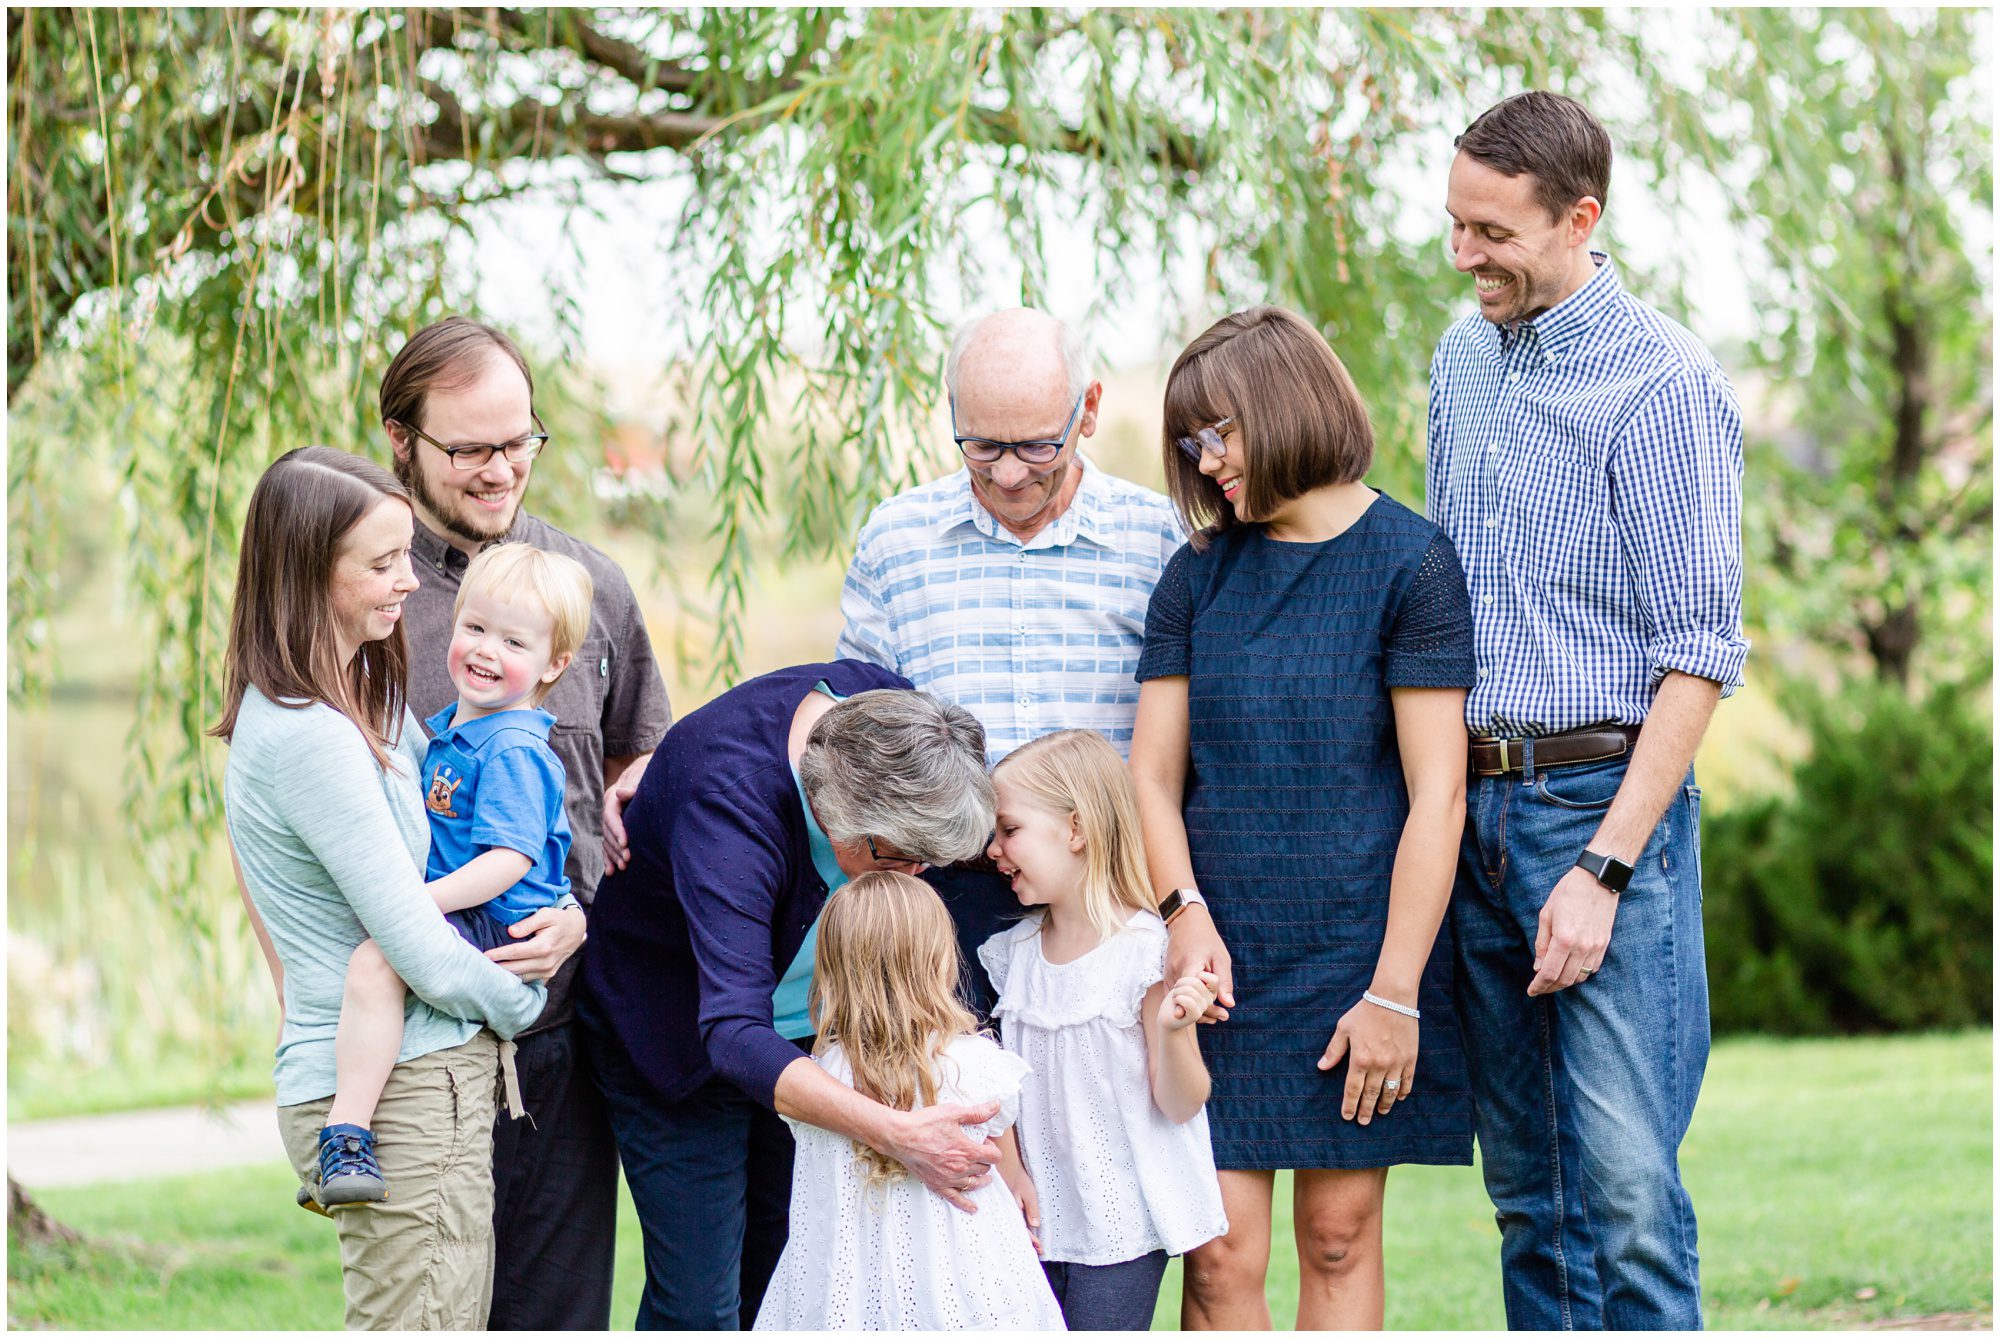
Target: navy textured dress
{"points": [[1295, 803]]}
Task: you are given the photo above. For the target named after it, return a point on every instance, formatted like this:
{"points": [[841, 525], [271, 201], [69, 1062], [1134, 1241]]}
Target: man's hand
{"points": [[1574, 932], [933, 1144], [617, 850], [1194, 949], [546, 940]]}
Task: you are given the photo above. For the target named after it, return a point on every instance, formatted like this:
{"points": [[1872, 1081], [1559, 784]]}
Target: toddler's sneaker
{"points": [[348, 1171]]}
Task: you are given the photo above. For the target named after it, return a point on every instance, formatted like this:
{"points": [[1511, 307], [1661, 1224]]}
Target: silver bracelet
{"points": [[1389, 1004]]}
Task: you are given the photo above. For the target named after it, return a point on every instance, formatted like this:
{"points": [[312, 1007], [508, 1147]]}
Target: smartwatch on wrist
{"points": [[1613, 874], [1179, 900]]}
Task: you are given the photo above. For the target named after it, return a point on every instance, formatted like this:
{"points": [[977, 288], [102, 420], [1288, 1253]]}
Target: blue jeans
{"points": [[1582, 1097], [711, 1179]]}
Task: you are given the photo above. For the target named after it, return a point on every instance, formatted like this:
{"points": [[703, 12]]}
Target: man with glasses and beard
{"points": [[1016, 587], [457, 404]]}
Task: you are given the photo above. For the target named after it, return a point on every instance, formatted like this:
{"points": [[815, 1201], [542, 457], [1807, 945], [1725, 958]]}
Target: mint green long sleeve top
{"points": [[332, 849]]}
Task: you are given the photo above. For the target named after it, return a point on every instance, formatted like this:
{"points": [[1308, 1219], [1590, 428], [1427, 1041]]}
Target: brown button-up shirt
{"points": [[611, 701]]}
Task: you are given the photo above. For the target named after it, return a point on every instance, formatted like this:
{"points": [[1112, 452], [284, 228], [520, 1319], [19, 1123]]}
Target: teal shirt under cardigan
{"points": [[331, 847]]}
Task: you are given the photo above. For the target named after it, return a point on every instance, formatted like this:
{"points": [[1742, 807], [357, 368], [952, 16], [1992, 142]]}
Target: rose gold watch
{"points": [[1179, 900]]}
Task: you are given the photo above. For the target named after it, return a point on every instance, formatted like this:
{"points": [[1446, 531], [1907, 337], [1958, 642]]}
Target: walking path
{"points": [[134, 1145]]}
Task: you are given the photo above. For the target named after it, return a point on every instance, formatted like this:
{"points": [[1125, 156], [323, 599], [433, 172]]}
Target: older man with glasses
{"points": [[1015, 587]]}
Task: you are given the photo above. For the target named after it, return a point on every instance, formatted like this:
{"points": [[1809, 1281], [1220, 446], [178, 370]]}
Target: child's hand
{"points": [[1030, 1205], [1188, 1000]]}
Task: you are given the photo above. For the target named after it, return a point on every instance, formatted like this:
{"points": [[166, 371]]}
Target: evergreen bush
{"points": [[1863, 901]]}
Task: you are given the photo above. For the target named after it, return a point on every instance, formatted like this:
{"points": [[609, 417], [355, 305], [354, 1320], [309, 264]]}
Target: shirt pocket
{"points": [[1557, 506]]}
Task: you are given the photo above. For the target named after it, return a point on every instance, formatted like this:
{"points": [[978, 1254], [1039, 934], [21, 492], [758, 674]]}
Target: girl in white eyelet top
{"points": [[871, 1246], [1114, 1141]]}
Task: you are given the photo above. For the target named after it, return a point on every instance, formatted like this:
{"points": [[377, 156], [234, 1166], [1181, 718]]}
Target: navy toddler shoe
{"points": [[348, 1171]]}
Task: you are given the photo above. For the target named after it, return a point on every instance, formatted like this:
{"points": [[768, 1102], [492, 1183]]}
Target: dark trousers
{"points": [[1108, 1296], [555, 1193], [981, 904], [711, 1177]]}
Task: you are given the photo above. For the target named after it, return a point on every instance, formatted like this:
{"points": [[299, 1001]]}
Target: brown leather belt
{"points": [[1598, 743]]}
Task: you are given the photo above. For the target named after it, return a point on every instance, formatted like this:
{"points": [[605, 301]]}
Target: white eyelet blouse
{"points": [[1116, 1178]]}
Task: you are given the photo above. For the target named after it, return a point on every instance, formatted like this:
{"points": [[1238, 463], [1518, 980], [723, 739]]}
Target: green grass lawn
{"points": [[1838, 1182]]}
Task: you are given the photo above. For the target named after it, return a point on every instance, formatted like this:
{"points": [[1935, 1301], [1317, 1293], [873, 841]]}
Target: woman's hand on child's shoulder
{"points": [[1188, 1000]]}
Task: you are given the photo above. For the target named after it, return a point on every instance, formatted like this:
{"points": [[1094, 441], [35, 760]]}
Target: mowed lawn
{"points": [[1839, 1183]]}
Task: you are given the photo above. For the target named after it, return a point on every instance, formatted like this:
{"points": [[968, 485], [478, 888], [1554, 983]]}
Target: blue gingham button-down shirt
{"points": [[1588, 466], [1029, 637]]}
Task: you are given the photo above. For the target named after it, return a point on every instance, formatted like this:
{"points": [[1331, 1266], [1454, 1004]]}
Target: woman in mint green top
{"points": [[328, 829]]}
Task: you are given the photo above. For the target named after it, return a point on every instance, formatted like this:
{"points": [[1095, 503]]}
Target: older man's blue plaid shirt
{"points": [[1029, 637], [1588, 466]]}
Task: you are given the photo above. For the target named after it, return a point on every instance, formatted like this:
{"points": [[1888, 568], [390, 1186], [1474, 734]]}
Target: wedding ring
{"points": [[1392, 1084]]}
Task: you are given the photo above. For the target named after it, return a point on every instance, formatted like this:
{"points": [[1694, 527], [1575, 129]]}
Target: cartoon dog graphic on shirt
{"points": [[439, 798]]}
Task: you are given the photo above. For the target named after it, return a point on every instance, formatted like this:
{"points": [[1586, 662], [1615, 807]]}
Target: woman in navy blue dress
{"points": [[1300, 755]]}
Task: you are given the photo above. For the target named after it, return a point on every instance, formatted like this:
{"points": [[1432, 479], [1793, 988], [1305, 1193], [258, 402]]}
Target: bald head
{"points": [[1017, 361], [1021, 376]]}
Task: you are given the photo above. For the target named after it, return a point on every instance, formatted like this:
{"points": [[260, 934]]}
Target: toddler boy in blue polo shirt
{"points": [[499, 831]]}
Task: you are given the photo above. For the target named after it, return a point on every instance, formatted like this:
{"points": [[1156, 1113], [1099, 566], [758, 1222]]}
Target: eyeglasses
{"points": [[893, 860], [474, 456], [982, 451], [1208, 441]]}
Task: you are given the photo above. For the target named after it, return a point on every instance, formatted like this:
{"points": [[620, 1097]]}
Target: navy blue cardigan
{"points": [[688, 940]]}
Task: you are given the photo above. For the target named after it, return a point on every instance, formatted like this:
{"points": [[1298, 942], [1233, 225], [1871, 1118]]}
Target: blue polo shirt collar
{"points": [[1088, 515], [818, 842], [474, 733]]}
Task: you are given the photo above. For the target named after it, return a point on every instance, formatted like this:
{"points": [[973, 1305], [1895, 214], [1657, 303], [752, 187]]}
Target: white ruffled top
{"points": [[897, 1255], [1116, 1178]]}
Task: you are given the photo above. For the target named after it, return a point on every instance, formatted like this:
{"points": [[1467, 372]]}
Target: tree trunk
{"points": [[1893, 641], [27, 1224]]}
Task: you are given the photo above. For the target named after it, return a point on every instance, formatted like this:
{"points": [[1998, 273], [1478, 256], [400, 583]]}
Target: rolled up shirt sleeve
{"points": [[728, 871], [1677, 502]]}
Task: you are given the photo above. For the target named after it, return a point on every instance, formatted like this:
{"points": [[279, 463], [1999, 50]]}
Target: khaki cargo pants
{"points": [[424, 1258]]}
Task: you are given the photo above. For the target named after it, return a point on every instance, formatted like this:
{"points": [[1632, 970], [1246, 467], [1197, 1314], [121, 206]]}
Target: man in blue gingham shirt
{"points": [[1585, 456], [1016, 587]]}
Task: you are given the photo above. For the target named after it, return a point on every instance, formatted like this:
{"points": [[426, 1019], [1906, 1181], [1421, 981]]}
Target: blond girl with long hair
{"points": [[1116, 1171], [870, 1246]]}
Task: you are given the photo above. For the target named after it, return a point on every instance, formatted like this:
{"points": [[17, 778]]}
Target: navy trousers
{"points": [[711, 1178]]}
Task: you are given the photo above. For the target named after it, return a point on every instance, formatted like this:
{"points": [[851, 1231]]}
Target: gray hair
{"points": [[1070, 342], [902, 767]]}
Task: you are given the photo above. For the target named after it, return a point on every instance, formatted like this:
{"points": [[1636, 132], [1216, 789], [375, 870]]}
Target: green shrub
{"points": [[1863, 901]]}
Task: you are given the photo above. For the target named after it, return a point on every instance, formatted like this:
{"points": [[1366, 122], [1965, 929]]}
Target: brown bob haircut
{"points": [[1300, 420], [1547, 136], [446, 355], [281, 632]]}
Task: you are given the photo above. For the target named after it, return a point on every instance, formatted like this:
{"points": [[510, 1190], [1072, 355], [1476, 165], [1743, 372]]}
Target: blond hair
{"points": [[1076, 773], [885, 989], [520, 573]]}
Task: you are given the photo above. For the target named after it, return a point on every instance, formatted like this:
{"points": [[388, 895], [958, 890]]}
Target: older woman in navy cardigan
{"points": [[752, 811]]}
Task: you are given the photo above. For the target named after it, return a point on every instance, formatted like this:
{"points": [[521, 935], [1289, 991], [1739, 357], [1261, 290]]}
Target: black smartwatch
{"points": [[1613, 874]]}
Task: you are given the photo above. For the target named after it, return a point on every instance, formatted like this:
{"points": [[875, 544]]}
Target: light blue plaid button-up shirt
{"points": [[1588, 465], [1029, 637]]}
